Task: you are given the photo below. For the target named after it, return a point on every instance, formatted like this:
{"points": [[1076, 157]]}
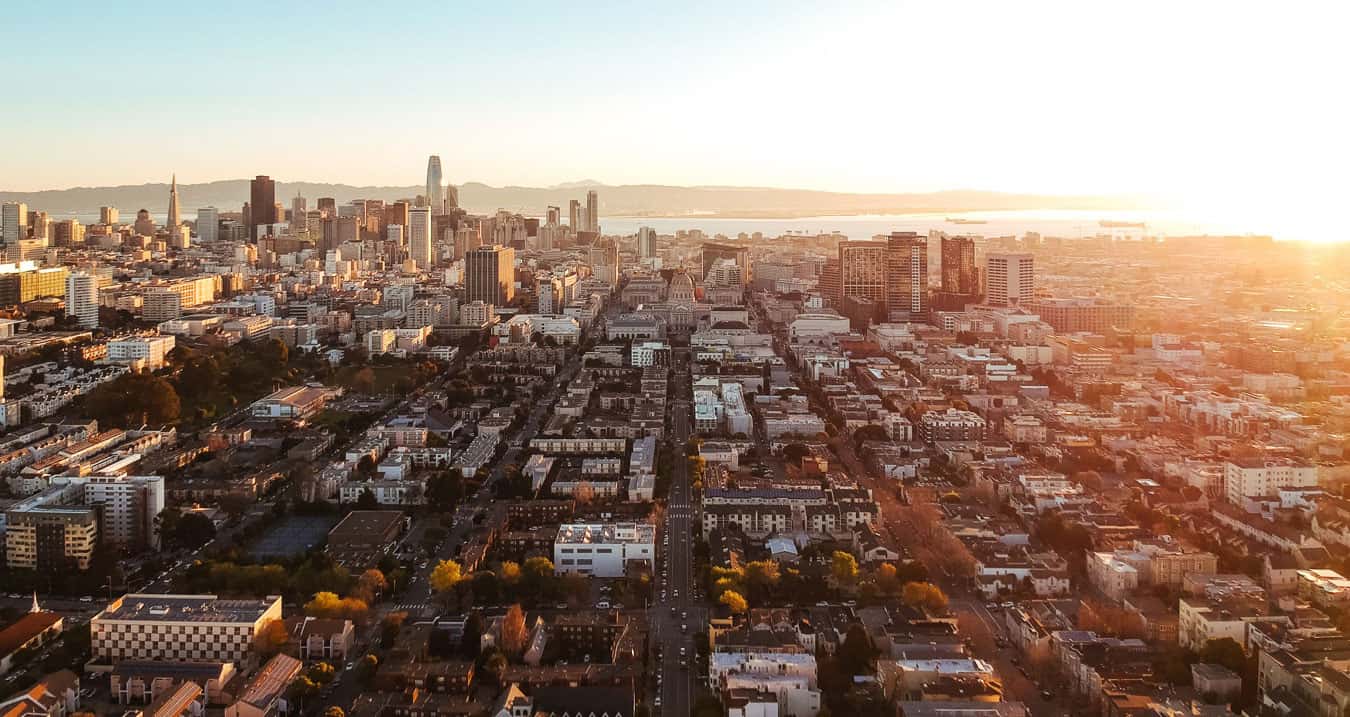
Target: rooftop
{"points": [[186, 608]]}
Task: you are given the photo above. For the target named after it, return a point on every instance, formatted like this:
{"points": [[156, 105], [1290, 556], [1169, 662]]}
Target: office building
{"points": [[906, 276], [13, 222], [603, 550], [174, 219], [489, 275], [1009, 279], [108, 216], [553, 216], [592, 212], [433, 195], [959, 275], [711, 253], [646, 242], [419, 237], [82, 299], [862, 271], [262, 205], [145, 224], [208, 224], [69, 233], [23, 282], [1077, 315], [180, 628], [299, 214], [574, 216]]}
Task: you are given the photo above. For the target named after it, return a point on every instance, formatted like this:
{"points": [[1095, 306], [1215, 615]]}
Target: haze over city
{"points": [[788, 359], [1213, 107]]}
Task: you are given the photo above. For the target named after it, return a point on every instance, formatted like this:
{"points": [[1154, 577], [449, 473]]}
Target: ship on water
{"points": [[959, 220], [1108, 224]]}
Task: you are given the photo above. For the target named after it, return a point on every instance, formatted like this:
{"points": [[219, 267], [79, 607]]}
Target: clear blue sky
{"points": [[1221, 102]]}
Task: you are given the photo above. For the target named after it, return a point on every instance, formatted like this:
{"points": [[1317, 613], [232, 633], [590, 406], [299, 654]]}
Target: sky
{"points": [[1230, 106]]}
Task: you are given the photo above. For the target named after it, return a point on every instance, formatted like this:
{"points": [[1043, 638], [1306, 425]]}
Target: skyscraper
{"points": [[646, 242], [329, 205], [82, 299], [574, 215], [208, 224], [299, 217], [262, 203], [13, 222], [958, 266], [107, 215], [1010, 279], [592, 212], [554, 216], [906, 275], [434, 184], [419, 236], [490, 275], [862, 271], [174, 220]]}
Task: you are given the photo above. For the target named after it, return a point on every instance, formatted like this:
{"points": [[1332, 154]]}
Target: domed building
{"points": [[681, 289]]}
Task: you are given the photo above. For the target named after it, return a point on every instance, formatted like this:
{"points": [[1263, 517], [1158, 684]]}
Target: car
{"points": [[991, 606], [1007, 606], [684, 628], [683, 650], [672, 609], [87, 598], [1047, 695], [657, 701], [602, 605], [561, 606]]}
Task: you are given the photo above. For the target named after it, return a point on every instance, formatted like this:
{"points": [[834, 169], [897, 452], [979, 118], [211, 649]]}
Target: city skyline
{"points": [[1056, 107]]}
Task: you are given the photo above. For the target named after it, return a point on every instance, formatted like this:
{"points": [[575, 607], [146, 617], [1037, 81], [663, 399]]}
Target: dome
{"points": [[682, 288]]}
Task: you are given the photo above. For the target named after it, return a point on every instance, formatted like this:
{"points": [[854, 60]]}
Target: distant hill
{"points": [[624, 200]]}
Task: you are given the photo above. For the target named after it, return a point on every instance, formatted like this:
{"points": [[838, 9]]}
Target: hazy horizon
{"points": [[1220, 108]]}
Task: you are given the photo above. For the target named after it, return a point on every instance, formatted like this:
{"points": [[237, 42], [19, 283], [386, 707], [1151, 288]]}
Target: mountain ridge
{"points": [[615, 200]]}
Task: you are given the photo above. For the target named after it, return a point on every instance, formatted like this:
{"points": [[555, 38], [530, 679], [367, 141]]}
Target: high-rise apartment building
{"points": [[13, 222], [208, 224], [592, 211], [862, 271], [108, 215], [574, 215], [82, 299], [433, 194], [490, 275], [553, 216], [906, 276], [419, 236], [1009, 279], [262, 203]]}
